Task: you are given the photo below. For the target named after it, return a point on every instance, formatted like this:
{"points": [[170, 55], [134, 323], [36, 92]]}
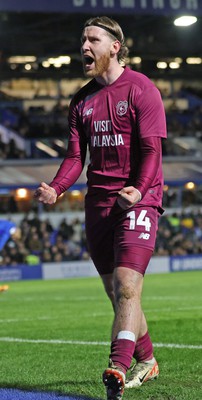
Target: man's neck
{"points": [[110, 76]]}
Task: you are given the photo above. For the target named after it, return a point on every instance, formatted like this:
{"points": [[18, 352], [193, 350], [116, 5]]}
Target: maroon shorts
{"points": [[119, 237]]}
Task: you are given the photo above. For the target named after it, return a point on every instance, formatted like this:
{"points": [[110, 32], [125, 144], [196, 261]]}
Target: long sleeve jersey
{"points": [[122, 125]]}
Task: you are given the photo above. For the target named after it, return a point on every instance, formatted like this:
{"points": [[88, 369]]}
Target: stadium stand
{"points": [[42, 122], [34, 105], [37, 240]]}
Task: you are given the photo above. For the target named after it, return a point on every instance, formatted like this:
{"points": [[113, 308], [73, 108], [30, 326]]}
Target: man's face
{"points": [[95, 50]]}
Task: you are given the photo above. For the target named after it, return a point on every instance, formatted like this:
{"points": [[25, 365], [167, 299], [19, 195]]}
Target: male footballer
{"points": [[119, 116]]}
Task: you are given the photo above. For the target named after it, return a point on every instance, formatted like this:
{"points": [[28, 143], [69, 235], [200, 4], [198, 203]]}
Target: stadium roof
{"points": [[149, 31]]}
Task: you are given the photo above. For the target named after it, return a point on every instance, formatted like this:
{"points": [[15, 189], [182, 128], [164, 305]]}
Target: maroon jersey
{"points": [[113, 121]]}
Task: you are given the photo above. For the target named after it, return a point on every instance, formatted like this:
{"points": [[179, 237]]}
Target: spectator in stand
{"points": [[65, 229], [182, 237]]}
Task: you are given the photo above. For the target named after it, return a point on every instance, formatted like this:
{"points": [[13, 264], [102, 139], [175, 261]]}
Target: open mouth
{"points": [[88, 60]]}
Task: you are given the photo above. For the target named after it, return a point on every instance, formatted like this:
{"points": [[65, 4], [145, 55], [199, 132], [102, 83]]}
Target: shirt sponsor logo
{"points": [[107, 140], [122, 107], [103, 126]]}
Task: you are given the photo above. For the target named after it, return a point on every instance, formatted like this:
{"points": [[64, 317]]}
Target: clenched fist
{"points": [[128, 197], [46, 194]]}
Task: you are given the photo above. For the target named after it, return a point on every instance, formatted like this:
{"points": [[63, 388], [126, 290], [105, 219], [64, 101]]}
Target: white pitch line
{"points": [[8, 320], [148, 310], [101, 314], [79, 342], [52, 341], [178, 346], [172, 309]]}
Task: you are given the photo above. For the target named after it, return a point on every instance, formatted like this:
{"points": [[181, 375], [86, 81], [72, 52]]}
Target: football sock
{"points": [[122, 349], [144, 349]]}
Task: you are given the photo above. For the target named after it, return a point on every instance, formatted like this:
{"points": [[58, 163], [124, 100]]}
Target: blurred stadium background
{"points": [[53, 331], [40, 70]]}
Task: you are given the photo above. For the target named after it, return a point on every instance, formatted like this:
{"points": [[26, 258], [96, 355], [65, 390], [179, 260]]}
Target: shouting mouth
{"points": [[88, 61]]}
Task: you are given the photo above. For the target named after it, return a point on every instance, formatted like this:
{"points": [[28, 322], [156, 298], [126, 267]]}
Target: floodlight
{"points": [[185, 20]]}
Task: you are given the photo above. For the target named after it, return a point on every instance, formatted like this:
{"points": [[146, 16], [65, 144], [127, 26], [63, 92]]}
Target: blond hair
{"points": [[113, 29]]}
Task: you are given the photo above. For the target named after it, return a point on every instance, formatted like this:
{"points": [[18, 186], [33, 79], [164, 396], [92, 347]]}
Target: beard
{"points": [[101, 66]]}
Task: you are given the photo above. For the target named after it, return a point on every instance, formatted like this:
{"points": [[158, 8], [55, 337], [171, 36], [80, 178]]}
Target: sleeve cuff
{"points": [[139, 194]]}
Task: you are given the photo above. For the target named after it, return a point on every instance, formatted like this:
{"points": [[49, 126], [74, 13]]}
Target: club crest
{"points": [[121, 107]]}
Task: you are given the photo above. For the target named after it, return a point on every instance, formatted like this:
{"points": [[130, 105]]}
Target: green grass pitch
{"points": [[64, 327]]}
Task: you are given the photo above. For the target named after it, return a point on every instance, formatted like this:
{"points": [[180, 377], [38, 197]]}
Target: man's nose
{"points": [[85, 46]]}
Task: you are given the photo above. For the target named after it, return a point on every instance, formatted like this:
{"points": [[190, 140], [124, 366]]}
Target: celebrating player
{"points": [[119, 116]]}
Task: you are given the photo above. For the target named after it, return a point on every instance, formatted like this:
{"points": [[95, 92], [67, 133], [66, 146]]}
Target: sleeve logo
{"points": [[88, 112]]}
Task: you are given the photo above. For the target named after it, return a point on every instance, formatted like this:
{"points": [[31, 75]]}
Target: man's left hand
{"points": [[128, 197]]}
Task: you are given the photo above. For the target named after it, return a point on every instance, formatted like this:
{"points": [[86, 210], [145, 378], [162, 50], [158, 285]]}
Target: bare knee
{"points": [[127, 285], [124, 292]]}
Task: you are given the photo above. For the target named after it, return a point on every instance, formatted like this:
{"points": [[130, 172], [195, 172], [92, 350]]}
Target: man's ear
{"points": [[115, 48]]}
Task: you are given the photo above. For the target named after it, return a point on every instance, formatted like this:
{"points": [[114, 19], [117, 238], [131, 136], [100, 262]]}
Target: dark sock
{"points": [[121, 353], [144, 348]]}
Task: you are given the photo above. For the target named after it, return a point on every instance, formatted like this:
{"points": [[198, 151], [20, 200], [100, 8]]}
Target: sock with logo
{"points": [[122, 349], [143, 349]]}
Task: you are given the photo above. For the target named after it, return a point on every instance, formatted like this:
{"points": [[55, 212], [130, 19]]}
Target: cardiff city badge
{"points": [[121, 107]]}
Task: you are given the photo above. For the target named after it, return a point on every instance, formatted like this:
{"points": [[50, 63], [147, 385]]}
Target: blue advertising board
{"points": [[186, 263], [105, 6], [20, 272]]}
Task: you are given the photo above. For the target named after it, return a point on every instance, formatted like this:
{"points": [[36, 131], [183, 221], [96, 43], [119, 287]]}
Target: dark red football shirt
{"points": [[121, 124]]}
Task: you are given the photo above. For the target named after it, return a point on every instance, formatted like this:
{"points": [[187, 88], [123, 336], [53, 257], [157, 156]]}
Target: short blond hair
{"points": [[113, 29]]}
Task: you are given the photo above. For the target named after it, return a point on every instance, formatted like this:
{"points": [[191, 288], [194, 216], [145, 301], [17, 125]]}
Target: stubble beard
{"points": [[101, 66]]}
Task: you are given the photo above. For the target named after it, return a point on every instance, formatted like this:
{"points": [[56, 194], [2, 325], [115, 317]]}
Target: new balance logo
{"points": [[88, 112], [144, 236]]}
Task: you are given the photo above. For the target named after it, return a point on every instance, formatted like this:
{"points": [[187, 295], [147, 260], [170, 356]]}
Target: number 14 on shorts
{"points": [[142, 220]]}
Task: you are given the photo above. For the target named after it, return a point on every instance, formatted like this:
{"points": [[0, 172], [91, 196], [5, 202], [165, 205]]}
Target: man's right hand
{"points": [[46, 194]]}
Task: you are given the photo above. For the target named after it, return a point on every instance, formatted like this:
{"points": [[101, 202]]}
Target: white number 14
{"points": [[141, 220]]}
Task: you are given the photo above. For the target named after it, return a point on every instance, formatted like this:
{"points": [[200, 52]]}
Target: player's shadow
{"points": [[45, 390]]}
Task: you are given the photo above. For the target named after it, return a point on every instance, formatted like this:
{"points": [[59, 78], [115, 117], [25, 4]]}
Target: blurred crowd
{"points": [[36, 240], [37, 122], [31, 125], [180, 234]]}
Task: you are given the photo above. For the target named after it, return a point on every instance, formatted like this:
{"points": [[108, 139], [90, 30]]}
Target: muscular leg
{"points": [[127, 288], [117, 280], [124, 288], [130, 336], [108, 281]]}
